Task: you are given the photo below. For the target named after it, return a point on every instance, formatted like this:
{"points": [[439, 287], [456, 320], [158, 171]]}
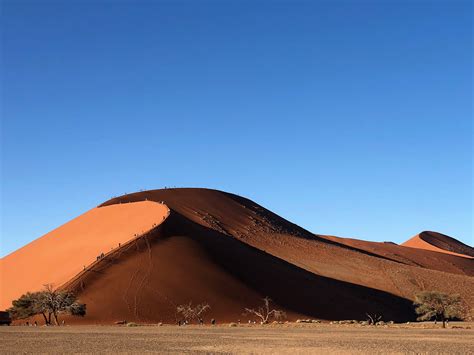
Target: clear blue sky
{"points": [[349, 118]]}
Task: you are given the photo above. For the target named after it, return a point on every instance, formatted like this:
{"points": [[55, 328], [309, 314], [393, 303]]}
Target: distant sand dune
{"points": [[440, 243]]}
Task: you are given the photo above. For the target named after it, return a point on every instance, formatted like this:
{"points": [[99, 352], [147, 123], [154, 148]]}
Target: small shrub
{"points": [[308, 321], [373, 319], [264, 313], [190, 312]]}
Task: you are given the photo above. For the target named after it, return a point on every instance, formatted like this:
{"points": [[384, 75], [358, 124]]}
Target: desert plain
{"points": [[419, 338]]}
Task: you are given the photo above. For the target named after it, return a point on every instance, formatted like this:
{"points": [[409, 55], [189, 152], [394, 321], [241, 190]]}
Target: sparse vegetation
{"points": [[438, 306], [190, 312], [50, 303], [308, 321], [264, 313], [373, 319]]}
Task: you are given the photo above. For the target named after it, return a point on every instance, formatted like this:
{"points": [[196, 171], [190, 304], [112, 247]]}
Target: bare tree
{"points": [[265, 313], [373, 319], [438, 305], [61, 301], [190, 312]]}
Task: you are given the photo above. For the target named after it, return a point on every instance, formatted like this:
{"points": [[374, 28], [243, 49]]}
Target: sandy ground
{"points": [[296, 338]]}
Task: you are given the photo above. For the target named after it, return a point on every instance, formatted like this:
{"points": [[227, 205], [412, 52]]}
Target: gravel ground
{"points": [[293, 338]]}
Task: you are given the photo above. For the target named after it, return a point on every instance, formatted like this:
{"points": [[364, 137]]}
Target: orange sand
{"points": [[427, 240], [62, 253]]}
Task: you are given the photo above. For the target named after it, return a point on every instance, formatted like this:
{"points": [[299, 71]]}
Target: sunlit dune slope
{"points": [[59, 255]]}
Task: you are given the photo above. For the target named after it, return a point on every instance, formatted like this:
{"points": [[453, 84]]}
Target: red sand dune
{"points": [[62, 253], [227, 250], [440, 243]]}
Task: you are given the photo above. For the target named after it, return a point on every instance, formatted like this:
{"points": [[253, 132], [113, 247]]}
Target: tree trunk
{"points": [[56, 318], [45, 319], [444, 323]]}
